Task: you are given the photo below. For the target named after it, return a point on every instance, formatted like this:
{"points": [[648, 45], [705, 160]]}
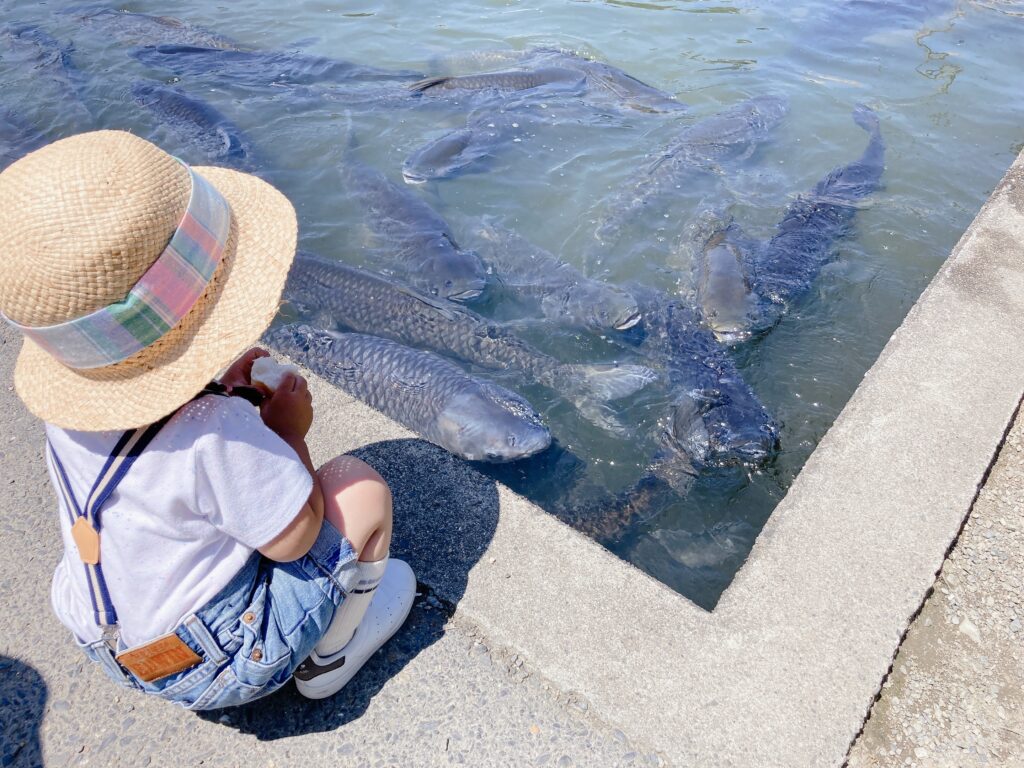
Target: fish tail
{"points": [[428, 82], [605, 382], [866, 118], [874, 154]]}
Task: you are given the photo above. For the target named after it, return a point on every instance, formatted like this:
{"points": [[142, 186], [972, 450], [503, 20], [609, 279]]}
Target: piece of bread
{"points": [[268, 372]]}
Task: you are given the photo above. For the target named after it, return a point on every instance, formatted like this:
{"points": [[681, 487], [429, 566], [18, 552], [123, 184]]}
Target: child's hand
{"points": [[239, 373], [289, 410]]}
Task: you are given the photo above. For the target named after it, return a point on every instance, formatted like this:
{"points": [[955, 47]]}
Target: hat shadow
{"points": [[23, 695], [445, 514]]}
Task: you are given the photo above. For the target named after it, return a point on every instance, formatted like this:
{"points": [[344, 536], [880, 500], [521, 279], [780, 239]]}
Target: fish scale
{"points": [[474, 419], [363, 302], [603, 78], [366, 303]]}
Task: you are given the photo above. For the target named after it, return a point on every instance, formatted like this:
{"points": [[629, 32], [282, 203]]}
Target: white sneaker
{"points": [[321, 676]]}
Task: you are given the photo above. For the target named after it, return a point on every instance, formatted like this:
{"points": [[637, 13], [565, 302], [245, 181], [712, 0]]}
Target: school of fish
{"points": [[402, 335]]}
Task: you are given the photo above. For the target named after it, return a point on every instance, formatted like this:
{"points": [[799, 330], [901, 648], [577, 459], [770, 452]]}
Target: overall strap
{"points": [[86, 522], [85, 529]]}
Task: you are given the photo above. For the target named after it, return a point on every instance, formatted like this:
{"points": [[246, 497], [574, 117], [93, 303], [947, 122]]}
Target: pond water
{"points": [[942, 75]]}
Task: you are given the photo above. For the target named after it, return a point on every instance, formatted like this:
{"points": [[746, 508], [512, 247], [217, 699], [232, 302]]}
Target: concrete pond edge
{"points": [[784, 670], [928, 594]]}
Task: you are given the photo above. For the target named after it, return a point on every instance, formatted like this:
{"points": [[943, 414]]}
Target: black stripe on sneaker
{"points": [[362, 591], [309, 669]]}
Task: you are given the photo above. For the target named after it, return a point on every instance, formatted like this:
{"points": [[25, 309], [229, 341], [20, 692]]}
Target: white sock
{"points": [[352, 608]]}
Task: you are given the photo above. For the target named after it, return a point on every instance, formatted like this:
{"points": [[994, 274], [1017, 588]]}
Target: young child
{"points": [[205, 560]]}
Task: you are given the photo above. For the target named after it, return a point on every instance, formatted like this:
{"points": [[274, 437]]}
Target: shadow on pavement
{"points": [[22, 702], [445, 516]]}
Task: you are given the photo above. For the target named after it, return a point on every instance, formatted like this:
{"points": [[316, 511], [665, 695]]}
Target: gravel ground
{"points": [[437, 694], [954, 696]]}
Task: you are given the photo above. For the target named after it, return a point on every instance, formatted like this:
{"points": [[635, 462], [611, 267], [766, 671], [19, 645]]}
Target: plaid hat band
{"points": [[164, 294]]}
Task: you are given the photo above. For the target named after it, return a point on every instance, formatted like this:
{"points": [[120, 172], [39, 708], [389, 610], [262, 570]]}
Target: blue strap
{"points": [[64, 485], [115, 452], [103, 612], [102, 609], [125, 452]]}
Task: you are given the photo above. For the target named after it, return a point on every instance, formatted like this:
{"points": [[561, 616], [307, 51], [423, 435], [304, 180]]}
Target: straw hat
{"points": [[83, 219]]}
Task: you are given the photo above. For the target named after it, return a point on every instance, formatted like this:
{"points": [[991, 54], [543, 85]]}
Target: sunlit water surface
{"points": [[944, 77]]}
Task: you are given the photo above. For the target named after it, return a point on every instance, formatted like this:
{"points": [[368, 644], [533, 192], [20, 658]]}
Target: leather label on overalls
{"points": [[158, 658], [87, 539]]}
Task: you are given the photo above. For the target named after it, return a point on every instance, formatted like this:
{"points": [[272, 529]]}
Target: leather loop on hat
{"points": [[164, 294]]}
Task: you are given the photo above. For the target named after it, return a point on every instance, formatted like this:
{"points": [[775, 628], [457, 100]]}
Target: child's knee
{"points": [[346, 477], [375, 496]]}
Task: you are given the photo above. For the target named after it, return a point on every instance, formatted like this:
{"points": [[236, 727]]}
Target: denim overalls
{"points": [[243, 644]]}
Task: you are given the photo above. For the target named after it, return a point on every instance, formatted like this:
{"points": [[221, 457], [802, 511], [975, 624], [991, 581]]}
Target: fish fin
{"points": [[231, 146], [848, 184], [674, 469], [302, 44], [526, 322], [428, 82], [601, 416], [441, 305]]}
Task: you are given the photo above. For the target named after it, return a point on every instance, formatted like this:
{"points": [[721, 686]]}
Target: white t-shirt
{"points": [[214, 485]]}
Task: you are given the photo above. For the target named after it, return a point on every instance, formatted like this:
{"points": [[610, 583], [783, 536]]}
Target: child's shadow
{"points": [[445, 516], [22, 705]]}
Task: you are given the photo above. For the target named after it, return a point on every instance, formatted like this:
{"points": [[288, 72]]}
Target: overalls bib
{"points": [[245, 642]]}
